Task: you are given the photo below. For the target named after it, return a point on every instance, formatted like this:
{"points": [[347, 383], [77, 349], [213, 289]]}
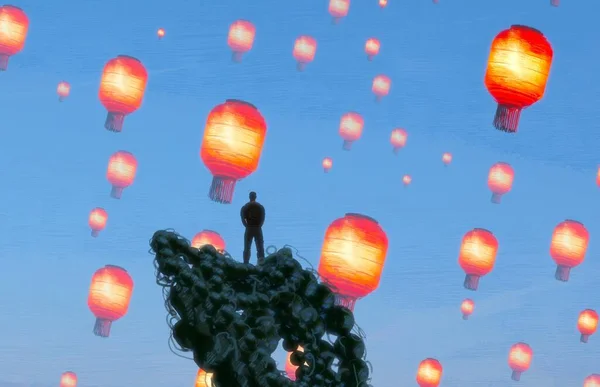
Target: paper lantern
{"points": [[14, 25]]}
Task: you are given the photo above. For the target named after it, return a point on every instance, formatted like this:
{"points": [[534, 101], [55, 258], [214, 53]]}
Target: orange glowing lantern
{"points": [[14, 25], [232, 145], [122, 89], [327, 164], [447, 158], [467, 307], [429, 373], [209, 237], [109, 297], [406, 180], [477, 255], [568, 247], [500, 180], [519, 359], [587, 323], [160, 33], [122, 167], [381, 86], [351, 127], [517, 72], [204, 379], [352, 257], [240, 38], [338, 9], [304, 51], [68, 379], [372, 47], [97, 220], [290, 369], [592, 381], [383, 3], [398, 139], [63, 89]]}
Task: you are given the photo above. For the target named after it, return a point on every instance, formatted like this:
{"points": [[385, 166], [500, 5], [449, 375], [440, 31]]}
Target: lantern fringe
{"points": [[95, 233], [345, 301], [496, 198], [114, 122], [584, 338], [516, 376], [347, 145], [116, 192], [562, 273], [102, 327], [4, 62], [221, 189], [471, 282], [507, 118]]}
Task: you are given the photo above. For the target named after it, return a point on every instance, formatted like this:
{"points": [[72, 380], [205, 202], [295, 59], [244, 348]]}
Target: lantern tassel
{"points": [[496, 198], [221, 189], [95, 233], [507, 118], [325, 170], [347, 145], [102, 327], [562, 273], [516, 376], [4, 62], [116, 192], [300, 66], [584, 338], [370, 57], [236, 57], [396, 150], [345, 301], [61, 99], [335, 20], [465, 316], [114, 122], [471, 282]]}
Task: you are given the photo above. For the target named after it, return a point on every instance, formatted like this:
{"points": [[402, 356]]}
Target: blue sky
{"points": [[53, 160]]}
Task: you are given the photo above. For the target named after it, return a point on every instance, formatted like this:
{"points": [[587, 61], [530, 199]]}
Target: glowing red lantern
{"points": [[398, 139], [447, 158], [372, 47], [467, 307], [290, 369], [587, 323], [592, 381], [338, 9], [519, 359], [352, 257], [477, 255], [240, 38], [327, 164], [160, 33], [429, 373], [517, 73], [122, 89], [351, 127], [68, 379], [232, 145], [304, 51], [204, 379], [383, 3], [500, 180], [209, 237], [121, 171], [97, 220], [14, 25], [63, 89], [381, 86], [568, 247], [109, 297], [406, 180]]}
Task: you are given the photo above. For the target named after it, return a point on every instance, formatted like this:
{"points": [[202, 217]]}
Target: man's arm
{"points": [[243, 216], [262, 215]]}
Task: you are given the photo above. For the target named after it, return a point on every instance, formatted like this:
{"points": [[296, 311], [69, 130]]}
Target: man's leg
{"points": [[260, 246], [247, 245]]}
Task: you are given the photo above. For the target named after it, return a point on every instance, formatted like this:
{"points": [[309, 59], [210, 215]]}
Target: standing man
{"points": [[253, 217]]}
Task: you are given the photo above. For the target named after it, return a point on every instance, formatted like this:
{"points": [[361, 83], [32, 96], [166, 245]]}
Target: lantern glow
{"points": [[372, 47], [429, 373], [477, 255], [327, 163], [305, 48], [68, 379], [568, 247], [351, 127], [381, 86], [447, 158], [241, 38], [63, 89], [500, 180], [97, 220], [14, 25], [204, 379], [467, 307], [121, 171], [519, 359], [406, 180], [338, 9], [209, 237], [398, 139], [587, 323]]}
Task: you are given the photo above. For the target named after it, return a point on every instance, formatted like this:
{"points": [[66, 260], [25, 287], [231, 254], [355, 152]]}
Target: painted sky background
{"points": [[53, 159]]}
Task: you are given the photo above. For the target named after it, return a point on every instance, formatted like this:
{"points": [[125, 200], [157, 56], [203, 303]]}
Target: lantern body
{"points": [[233, 140], [63, 90], [68, 379], [519, 359], [568, 247], [398, 139], [467, 307], [14, 25], [500, 180], [97, 220], [477, 255], [429, 373], [304, 51], [338, 9], [351, 127], [209, 237], [290, 369], [406, 180], [447, 158], [592, 381], [372, 47], [352, 257], [383, 3], [327, 164], [109, 297], [204, 379], [160, 33], [241, 38], [121, 171], [381, 86], [587, 323], [122, 89], [517, 73]]}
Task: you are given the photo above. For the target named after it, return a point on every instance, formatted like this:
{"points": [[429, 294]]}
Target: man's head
{"points": [[252, 196]]}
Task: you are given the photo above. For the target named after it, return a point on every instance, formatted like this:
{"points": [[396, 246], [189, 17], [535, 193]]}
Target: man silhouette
{"points": [[253, 217]]}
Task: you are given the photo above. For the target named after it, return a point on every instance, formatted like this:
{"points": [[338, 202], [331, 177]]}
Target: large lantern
{"points": [[233, 140], [122, 89], [338, 9], [587, 324], [121, 171], [429, 373], [204, 379], [372, 47], [97, 220], [568, 247], [240, 38], [398, 139], [14, 25], [68, 379], [109, 297], [352, 257], [305, 48], [477, 255], [351, 127], [517, 72], [209, 237], [519, 359], [500, 180]]}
